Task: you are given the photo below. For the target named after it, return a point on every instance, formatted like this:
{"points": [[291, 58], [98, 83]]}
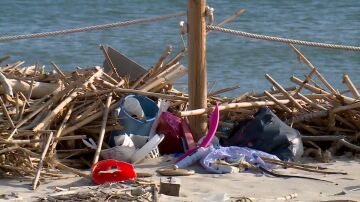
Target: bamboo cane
{"points": [[159, 75], [88, 120], [139, 92], [86, 112], [311, 103], [5, 111], [141, 79], [351, 86], [232, 106], [60, 129], [42, 157], [307, 79], [277, 102], [279, 87], [112, 80], [102, 130], [301, 167], [347, 100], [168, 80], [47, 120], [307, 116], [307, 128], [17, 106], [231, 18], [61, 74], [349, 145], [31, 141], [13, 66], [308, 86], [49, 103], [174, 60], [224, 90], [322, 138], [8, 149], [308, 63], [159, 64], [163, 79], [102, 48]]}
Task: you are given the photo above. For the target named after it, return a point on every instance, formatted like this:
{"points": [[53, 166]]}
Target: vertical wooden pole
{"points": [[197, 64]]}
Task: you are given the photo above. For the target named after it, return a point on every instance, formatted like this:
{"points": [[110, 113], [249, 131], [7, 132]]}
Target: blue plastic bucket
{"points": [[132, 125]]}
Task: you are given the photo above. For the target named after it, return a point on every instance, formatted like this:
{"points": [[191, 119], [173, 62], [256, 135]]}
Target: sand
{"points": [[215, 187]]}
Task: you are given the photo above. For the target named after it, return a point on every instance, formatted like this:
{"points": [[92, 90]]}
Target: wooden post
{"points": [[197, 65]]}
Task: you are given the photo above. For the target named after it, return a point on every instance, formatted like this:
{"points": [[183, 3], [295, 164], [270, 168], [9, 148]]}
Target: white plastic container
{"points": [[147, 148]]}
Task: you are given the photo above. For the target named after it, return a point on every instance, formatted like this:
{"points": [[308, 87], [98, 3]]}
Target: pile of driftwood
{"points": [[45, 116], [328, 120]]}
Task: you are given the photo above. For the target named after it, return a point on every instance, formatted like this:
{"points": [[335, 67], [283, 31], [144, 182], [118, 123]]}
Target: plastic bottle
{"points": [[189, 160]]}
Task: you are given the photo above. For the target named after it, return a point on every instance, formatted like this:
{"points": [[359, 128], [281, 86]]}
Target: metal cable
{"points": [[90, 28], [282, 40]]}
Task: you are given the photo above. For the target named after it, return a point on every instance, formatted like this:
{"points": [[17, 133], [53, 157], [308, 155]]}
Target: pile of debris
{"points": [[328, 120], [45, 116], [50, 120]]}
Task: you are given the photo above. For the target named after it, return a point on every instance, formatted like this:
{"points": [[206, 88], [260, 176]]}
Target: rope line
{"points": [[89, 28], [209, 27], [282, 40]]}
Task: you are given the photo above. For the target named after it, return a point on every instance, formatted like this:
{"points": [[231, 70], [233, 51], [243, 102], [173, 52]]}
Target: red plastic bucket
{"points": [[112, 171]]}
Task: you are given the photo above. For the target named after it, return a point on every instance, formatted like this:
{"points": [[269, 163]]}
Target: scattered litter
{"points": [[287, 197]]}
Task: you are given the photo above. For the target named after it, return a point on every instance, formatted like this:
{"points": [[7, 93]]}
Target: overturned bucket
{"points": [[135, 125]]}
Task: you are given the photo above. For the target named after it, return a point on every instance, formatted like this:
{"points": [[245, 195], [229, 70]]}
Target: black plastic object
{"points": [[266, 132]]}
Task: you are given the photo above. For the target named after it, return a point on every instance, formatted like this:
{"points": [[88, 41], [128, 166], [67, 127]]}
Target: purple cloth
{"points": [[234, 154]]}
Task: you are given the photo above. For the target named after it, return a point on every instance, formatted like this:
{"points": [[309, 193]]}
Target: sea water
{"points": [[230, 60]]}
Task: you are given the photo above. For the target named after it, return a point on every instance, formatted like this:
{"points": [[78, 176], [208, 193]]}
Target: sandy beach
{"points": [[227, 187], [140, 79]]}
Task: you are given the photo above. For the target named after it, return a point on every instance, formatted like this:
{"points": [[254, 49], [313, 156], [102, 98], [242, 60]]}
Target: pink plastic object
{"points": [[112, 171], [213, 125]]}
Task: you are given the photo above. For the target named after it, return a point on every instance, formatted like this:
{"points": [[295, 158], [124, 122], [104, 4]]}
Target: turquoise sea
{"points": [[230, 60]]}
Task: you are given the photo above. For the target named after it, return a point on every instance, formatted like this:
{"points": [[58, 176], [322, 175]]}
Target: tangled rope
{"points": [[90, 28], [282, 40]]}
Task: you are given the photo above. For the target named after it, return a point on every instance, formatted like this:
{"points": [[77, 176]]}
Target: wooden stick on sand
{"points": [[41, 162], [102, 130]]}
